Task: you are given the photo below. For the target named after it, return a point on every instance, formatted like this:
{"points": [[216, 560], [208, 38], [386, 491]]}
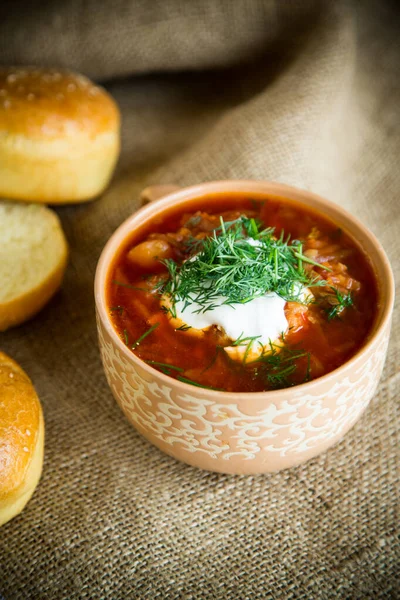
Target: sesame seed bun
{"points": [[59, 136], [21, 439]]}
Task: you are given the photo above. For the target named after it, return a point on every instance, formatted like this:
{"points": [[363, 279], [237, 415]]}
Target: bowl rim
{"points": [[124, 230]]}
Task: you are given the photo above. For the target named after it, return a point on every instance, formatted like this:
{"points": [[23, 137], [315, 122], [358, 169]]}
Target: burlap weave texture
{"points": [[306, 93]]}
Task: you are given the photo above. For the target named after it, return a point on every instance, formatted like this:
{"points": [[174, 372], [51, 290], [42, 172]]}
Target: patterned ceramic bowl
{"points": [[244, 432]]}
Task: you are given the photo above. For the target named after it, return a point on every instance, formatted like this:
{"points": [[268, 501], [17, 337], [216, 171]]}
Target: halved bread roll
{"points": [[33, 257], [21, 439]]}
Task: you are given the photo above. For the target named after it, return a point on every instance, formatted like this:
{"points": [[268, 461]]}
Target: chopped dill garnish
{"points": [[128, 285], [237, 263], [308, 371], [119, 309], [280, 378], [191, 382], [277, 363], [256, 203], [144, 335], [246, 352], [243, 341], [126, 336], [165, 366], [338, 304], [212, 363], [183, 328], [248, 342]]}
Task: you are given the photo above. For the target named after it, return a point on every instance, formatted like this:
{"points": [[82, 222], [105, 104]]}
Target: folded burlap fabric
{"points": [[307, 93]]}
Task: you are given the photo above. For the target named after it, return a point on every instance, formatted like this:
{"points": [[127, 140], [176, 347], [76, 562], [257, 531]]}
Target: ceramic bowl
{"points": [[244, 432]]}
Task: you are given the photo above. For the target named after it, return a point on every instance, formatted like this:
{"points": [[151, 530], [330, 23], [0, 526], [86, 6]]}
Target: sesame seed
{"points": [[82, 81], [27, 432], [11, 78], [71, 87], [6, 103], [26, 449], [11, 375]]}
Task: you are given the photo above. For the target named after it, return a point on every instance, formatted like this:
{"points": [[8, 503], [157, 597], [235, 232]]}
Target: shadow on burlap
{"points": [[315, 104]]}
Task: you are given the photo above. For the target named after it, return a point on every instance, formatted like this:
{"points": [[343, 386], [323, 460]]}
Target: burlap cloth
{"points": [[301, 92]]}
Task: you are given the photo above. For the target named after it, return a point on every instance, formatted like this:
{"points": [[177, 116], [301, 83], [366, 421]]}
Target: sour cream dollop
{"points": [[263, 316]]}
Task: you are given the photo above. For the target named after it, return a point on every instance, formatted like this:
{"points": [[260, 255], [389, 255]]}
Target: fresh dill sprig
{"points": [[128, 285], [248, 342], [166, 367], [308, 371], [119, 309], [278, 362], [195, 383], [240, 262], [339, 303], [257, 203], [243, 341], [144, 335], [218, 348]]}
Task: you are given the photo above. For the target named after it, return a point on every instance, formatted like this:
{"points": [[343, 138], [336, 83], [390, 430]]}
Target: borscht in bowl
{"points": [[227, 315], [243, 294]]}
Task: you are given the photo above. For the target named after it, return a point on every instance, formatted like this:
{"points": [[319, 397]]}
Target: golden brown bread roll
{"points": [[21, 439], [59, 136]]}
